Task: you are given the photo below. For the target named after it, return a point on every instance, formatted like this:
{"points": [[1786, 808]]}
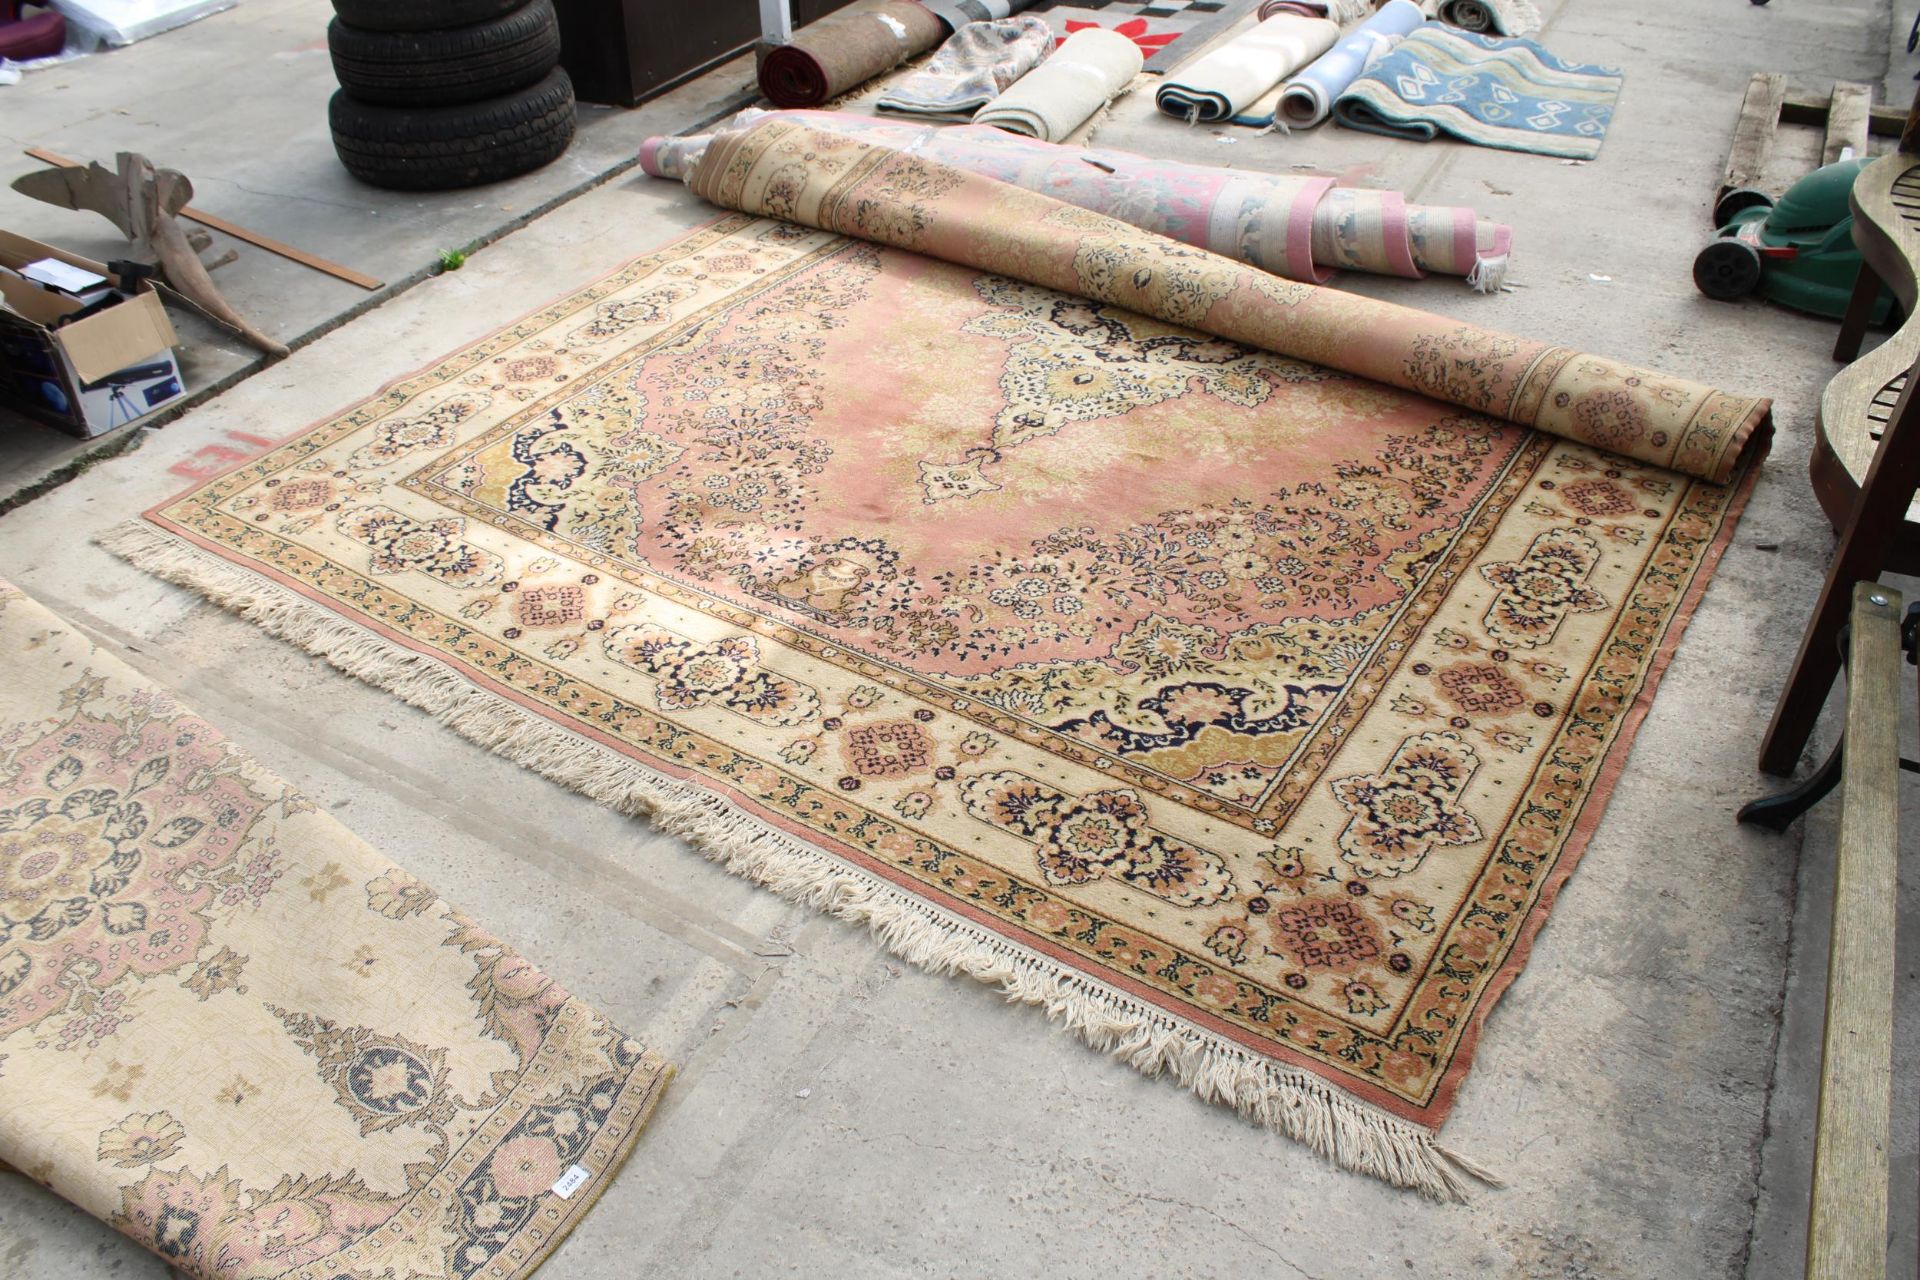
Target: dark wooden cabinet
{"points": [[622, 52]]}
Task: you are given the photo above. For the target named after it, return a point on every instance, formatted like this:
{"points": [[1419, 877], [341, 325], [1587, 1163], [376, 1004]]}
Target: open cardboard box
{"points": [[92, 375]]}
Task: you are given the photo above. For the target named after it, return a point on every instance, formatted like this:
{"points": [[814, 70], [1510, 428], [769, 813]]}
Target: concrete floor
{"points": [[238, 103], [1645, 1086]]}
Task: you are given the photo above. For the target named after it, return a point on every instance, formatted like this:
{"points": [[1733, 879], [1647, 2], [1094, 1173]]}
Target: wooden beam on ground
{"points": [[239, 232], [1847, 120], [1753, 134], [1847, 1225], [1882, 122]]}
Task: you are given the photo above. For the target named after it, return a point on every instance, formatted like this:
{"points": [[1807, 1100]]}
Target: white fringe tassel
{"points": [[1292, 1102], [1489, 275]]}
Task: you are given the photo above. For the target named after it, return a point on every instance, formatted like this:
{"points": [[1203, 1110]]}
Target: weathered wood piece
{"points": [[1753, 134], [1847, 1225], [1882, 122], [1847, 120], [142, 201], [239, 232]]}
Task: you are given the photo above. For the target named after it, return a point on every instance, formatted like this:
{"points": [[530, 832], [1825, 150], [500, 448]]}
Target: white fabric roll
{"points": [[1309, 94], [1062, 93], [1225, 82]]}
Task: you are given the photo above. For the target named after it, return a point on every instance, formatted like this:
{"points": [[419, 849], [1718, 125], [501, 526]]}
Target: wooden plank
{"points": [[1882, 122], [239, 232], [1847, 1227], [1753, 134], [1847, 121]]}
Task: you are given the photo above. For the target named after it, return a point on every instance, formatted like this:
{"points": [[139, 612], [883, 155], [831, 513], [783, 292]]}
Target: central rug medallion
{"points": [[1245, 712], [1144, 544]]}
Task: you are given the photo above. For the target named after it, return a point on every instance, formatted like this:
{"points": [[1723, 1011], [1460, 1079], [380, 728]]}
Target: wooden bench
{"points": [[1847, 1218], [1866, 455], [1866, 471]]}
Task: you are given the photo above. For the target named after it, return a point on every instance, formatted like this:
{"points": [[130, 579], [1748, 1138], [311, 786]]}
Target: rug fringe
{"points": [[1489, 274], [1287, 1100]]}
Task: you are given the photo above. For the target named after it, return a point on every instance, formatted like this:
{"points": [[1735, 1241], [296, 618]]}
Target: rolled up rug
{"points": [[972, 68], [1062, 93], [783, 168], [1308, 96], [1359, 229], [958, 13], [1300, 227], [844, 51], [1496, 17], [1225, 82], [1341, 11]]}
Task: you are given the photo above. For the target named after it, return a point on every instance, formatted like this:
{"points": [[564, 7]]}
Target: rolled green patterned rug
{"points": [[827, 58]]}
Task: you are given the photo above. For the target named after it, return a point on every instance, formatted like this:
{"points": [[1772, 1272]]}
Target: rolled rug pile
{"points": [[1062, 93], [827, 58], [1308, 96], [958, 13], [1295, 226], [971, 69], [1341, 11], [1491, 17], [1225, 82]]}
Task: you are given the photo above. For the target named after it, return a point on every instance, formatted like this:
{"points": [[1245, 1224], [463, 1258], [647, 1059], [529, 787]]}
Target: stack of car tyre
{"points": [[437, 94]]}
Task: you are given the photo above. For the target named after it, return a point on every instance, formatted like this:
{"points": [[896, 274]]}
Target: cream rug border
{"points": [[1287, 1100]]}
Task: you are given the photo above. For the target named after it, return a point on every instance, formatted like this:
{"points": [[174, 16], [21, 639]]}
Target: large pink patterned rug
{"points": [[1233, 667]]}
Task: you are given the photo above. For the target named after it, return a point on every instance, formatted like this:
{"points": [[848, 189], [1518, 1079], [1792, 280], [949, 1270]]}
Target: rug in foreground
{"points": [[1242, 711], [240, 1036]]}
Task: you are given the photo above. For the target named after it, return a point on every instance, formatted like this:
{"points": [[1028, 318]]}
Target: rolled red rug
{"points": [[841, 52], [41, 36]]}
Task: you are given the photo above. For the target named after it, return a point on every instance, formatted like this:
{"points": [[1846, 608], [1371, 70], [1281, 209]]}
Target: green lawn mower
{"points": [[1796, 251]]}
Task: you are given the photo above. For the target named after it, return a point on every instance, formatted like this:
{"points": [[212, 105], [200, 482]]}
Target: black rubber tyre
{"points": [[421, 15], [1728, 270], [441, 148], [1736, 201], [441, 68]]}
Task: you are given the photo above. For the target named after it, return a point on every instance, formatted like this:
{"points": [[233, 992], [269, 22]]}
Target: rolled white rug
{"points": [[1062, 93], [1226, 81], [1308, 97]]}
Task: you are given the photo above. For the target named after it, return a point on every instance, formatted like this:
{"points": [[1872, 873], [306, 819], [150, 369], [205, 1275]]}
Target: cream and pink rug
{"points": [[1233, 667], [234, 1032]]}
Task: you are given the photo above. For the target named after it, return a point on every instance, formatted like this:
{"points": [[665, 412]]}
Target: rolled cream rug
{"points": [[1062, 93], [844, 51], [1308, 97], [1224, 82]]}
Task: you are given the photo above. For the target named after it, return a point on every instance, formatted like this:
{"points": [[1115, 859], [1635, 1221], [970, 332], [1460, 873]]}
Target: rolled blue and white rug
{"points": [[1308, 97]]}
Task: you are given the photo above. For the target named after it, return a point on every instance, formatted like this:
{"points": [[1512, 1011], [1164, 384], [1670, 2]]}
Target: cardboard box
{"points": [[89, 376]]}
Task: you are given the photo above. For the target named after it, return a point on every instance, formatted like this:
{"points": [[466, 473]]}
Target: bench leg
{"points": [[1885, 495], [1853, 325]]}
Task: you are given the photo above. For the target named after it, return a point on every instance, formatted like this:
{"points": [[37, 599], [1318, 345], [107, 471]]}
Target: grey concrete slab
{"points": [[238, 102], [841, 1113]]}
